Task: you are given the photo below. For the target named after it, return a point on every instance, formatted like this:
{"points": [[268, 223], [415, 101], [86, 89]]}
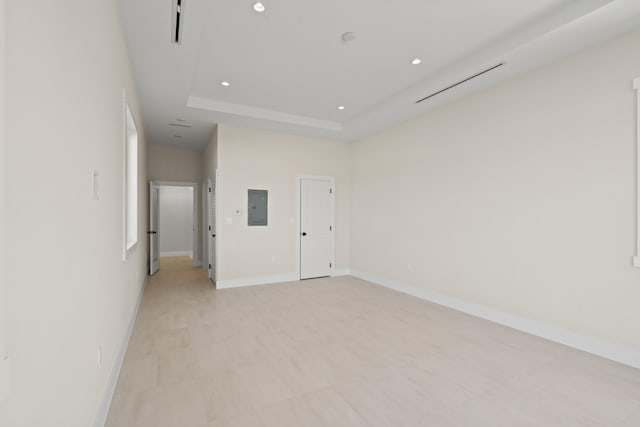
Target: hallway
{"points": [[343, 352]]}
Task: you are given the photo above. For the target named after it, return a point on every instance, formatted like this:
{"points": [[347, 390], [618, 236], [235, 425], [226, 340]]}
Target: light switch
{"points": [[94, 185], [228, 220]]}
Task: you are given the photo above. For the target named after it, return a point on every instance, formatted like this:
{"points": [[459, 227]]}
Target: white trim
{"points": [[153, 247], [105, 404], [211, 183], [297, 237], [176, 183], [332, 207], [195, 235], [177, 253], [341, 272], [124, 175], [196, 224], [5, 365], [261, 114], [128, 248], [621, 354], [257, 280], [636, 258], [204, 250], [218, 229], [266, 280]]}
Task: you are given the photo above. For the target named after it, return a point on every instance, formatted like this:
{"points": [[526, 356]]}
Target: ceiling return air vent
{"points": [[177, 21], [460, 82]]}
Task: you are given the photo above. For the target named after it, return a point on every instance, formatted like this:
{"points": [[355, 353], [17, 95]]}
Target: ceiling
{"points": [[289, 68]]}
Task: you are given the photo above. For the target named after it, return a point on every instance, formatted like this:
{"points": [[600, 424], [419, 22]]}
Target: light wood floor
{"points": [[343, 352]]}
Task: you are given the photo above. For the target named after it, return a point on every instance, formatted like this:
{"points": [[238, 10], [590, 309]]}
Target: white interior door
{"points": [[154, 250], [211, 236], [316, 227]]}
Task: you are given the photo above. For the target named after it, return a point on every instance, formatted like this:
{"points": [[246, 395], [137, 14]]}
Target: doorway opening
{"points": [[173, 222]]}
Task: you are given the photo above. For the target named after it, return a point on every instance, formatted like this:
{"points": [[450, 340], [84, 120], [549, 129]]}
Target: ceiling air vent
{"points": [[460, 82], [177, 19]]}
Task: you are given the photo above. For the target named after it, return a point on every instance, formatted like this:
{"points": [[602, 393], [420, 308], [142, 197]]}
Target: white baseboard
{"points": [[5, 378], [253, 281], [176, 253], [342, 272], [105, 404], [265, 280], [621, 354]]}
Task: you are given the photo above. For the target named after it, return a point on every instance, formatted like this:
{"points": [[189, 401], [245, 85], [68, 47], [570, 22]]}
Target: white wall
{"points": [[69, 293], [174, 164], [252, 159], [520, 198], [176, 221], [210, 155]]}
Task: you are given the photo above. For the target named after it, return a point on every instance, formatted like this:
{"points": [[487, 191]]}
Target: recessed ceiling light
{"points": [[416, 61], [225, 83], [258, 7], [177, 136], [180, 119], [340, 107]]}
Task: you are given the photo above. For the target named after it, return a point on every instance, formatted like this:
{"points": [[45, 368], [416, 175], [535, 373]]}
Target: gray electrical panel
{"points": [[257, 207]]}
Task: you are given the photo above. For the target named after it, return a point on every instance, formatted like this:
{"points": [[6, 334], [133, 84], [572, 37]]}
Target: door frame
{"points": [[332, 217], [196, 224], [205, 263], [5, 367], [152, 232]]}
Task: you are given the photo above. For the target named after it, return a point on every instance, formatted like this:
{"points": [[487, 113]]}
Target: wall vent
{"points": [[177, 21], [460, 82]]}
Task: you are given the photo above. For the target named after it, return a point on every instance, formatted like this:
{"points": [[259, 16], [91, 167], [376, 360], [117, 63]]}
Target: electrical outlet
{"points": [[273, 258], [409, 267]]}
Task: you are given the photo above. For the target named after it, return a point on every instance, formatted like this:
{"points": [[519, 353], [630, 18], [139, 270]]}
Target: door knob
{"points": [[304, 234], [152, 232]]}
